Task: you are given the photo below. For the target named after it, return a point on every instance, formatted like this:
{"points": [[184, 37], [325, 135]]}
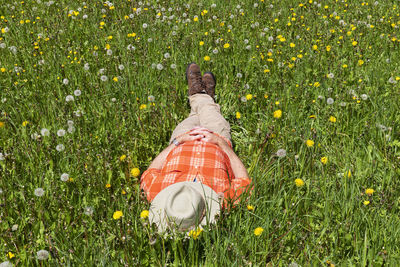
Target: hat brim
{"points": [[157, 213]]}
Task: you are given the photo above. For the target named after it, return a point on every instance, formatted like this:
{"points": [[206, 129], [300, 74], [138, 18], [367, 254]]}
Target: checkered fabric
{"points": [[195, 161]]}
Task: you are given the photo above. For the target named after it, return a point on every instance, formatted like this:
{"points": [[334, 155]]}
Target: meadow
{"points": [[90, 93]]}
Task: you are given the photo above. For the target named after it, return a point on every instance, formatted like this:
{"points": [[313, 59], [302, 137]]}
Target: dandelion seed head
{"points": [[88, 211], [42, 255], [330, 101], [44, 132], [160, 66], [104, 78], [69, 98], [14, 227], [64, 177], [77, 92], [364, 96], [121, 67], [39, 192], [61, 132], [65, 81], [60, 147], [151, 98], [281, 153]]}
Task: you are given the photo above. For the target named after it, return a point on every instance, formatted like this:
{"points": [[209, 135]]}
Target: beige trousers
{"points": [[204, 113]]}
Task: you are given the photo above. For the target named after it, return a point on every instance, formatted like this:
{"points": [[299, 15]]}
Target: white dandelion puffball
{"points": [[64, 177], [160, 66], [239, 75], [121, 67], [104, 78], [89, 211], [71, 129], [215, 51], [60, 147], [69, 98], [173, 66], [281, 153], [61, 132], [2, 156], [151, 98], [243, 99], [70, 123], [331, 75], [109, 52], [14, 227], [45, 132], [167, 55], [145, 25], [39, 192], [1, 191], [330, 101], [42, 255], [77, 92], [364, 96], [86, 66], [65, 81], [343, 104]]}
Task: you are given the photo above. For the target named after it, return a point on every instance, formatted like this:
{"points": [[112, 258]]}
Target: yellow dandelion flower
{"points": [[348, 174], [299, 182], [250, 207], [108, 185], [277, 114], [310, 143], [201, 43], [360, 62], [238, 115], [118, 214], [144, 214], [3, 69], [354, 43], [135, 172], [24, 123], [207, 58], [324, 160], [122, 158], [10, 255], [195, 233], [258, 231], [2, 124], [249, 96], [315, 47], [227, 45], [108, 46], [328, 48], [369, 191], [344, 66], [266, 70], [332, 119], [292, 45], [366, 202], [143, 106], [115, 79], [312, 116]]}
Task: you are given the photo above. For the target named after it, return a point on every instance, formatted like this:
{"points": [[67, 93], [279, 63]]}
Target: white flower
{"points": [[239, 75], [121, 67], [85, 16], [271, 38], [330, 75], [392, 80], [364, 96], [69, 98], [213, 5], [248, 47], [86, 66], [60, 147], [281, 153], [64, 177], [14, 227], [145, 25], [2, 156], [113, 99], [255, 5], [215, 51], [65, 81], [77, 92], [1, 191], [39, 192], [173, 66], [343, 104], [2, 45], [35, 136], [131, 47], [167, 55], [109, 52], [89, 211], [42, 255], [45, 132], [70, 123], [160, 66], [150, 40], [104, 78], [330, 101], [13, 49], [61, 132], [151, 98], [243, 99]]}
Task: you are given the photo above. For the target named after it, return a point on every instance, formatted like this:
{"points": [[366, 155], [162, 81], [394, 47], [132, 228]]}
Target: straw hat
{"points": [[183, 206]]}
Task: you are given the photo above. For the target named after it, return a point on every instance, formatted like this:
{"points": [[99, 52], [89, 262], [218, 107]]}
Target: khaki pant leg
{"points": [[185, 125]]}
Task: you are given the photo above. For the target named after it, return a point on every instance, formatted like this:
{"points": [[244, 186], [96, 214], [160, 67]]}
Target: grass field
{"points": [[91, 91]]}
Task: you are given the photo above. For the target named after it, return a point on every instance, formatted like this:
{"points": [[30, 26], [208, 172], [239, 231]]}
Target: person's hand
{"points": [[191, 136], [208, 136]]}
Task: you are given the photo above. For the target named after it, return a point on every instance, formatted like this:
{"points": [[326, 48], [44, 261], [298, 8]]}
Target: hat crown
{"points": [[185, 207]]}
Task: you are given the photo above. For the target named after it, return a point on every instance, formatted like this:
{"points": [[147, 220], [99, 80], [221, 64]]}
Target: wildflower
{"points": [[14, 227], [249, 96], [2, 124], [281, 153], [195, 233], [88, 211], [238, 115], [332, 119], [2, 156], [10, 255], [64, 177], [24, 123], [348, 174], [77, 92], [292, 45], [173, 66], [39, 192], [310, 143], [258, 231], [143, 106], [118, 214], [196, 18], [250, 207], [369, 191], [330, 101], [227, 45], [312, 116], [61, 132], [366, 202], [360, 62], [330, 75], [324, 160], [144, 25], [108, 185], [121, 67], [160, 66], [144, 214], [207, 58], [314, 47], [364, 97], [135, 172], [299, 182], [115, 79], [151, 98], [60, 147], [42, 255], [122, 158], [65, 81], [103, 78], [277, 114], [69, 98]]}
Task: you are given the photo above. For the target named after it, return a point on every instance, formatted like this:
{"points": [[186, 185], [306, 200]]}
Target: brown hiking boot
{"points": [[210, 82], [193, 77]]}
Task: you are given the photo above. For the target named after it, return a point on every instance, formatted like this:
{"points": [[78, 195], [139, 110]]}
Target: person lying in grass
{"points": [[189, 181]]}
